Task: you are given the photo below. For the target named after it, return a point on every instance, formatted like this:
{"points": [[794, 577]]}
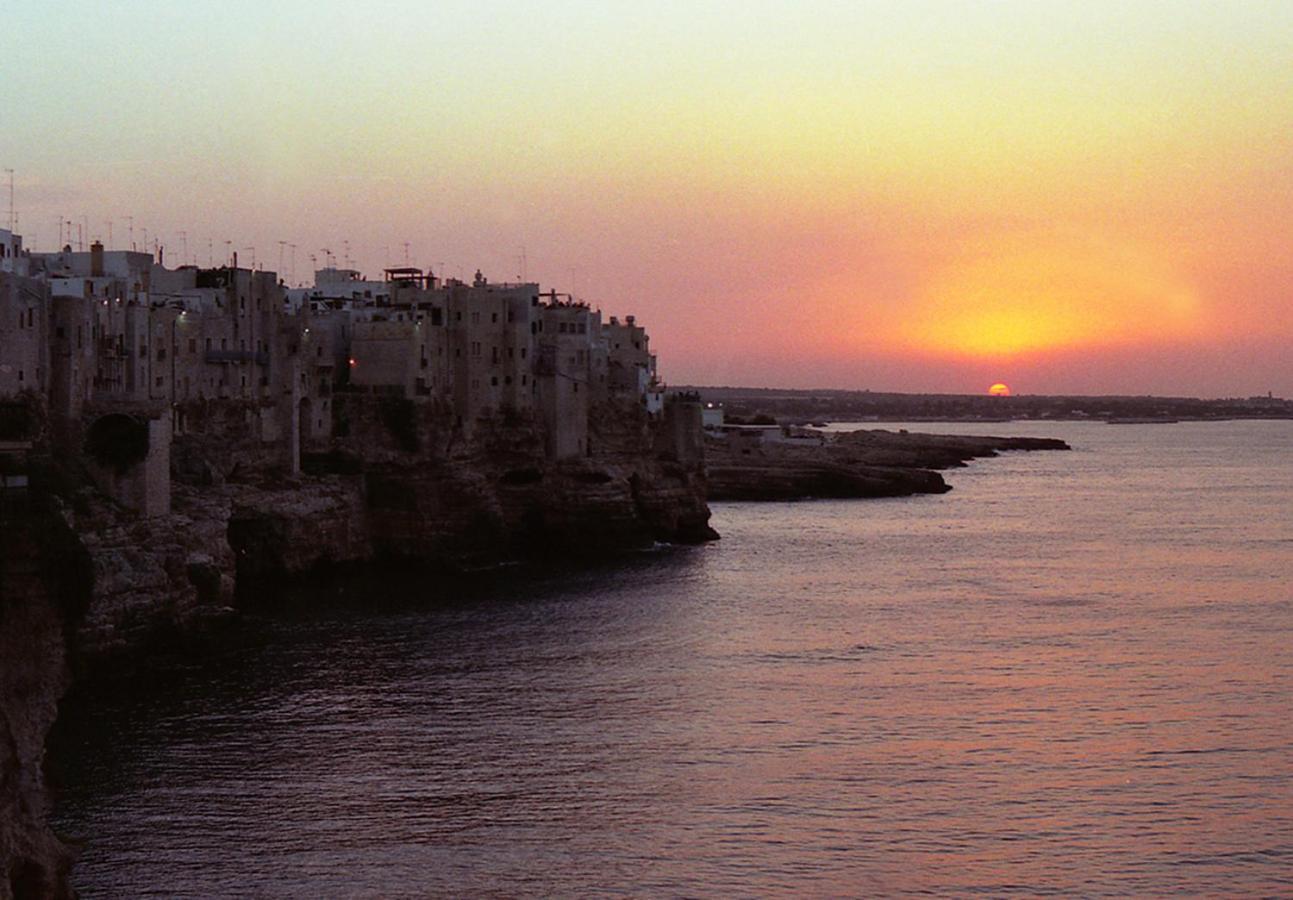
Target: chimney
{"points": [[96, 260]]}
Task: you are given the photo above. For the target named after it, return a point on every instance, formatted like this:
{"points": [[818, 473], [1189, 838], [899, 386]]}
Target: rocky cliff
{"points": [[398, 483], [44, 575]]}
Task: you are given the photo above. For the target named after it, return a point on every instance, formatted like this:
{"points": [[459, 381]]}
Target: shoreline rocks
{"points": [[855, 464]]}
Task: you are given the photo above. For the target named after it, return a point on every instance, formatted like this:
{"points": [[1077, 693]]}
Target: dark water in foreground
{"points": [[1073, 673]]}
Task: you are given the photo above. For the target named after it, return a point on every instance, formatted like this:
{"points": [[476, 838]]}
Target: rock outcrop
{"points": [[43, 579], [419, 494], [872, 463]]}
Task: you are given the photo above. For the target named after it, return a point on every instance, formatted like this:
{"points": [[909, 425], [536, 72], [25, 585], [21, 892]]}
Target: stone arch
{"points": [[117, 441]]}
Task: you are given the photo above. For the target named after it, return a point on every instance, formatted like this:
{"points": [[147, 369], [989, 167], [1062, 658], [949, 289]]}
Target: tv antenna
{"points": [[13, 221]]}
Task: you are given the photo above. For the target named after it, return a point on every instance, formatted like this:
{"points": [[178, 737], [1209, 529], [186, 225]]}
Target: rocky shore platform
{"points": [[864, 463]]}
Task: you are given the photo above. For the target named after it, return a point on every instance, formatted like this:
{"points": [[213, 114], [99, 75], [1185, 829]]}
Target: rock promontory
{"points": [[772, 464]]}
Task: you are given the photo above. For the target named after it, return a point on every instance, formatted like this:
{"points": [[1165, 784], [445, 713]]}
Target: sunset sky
{"points": [[1086, 197]]}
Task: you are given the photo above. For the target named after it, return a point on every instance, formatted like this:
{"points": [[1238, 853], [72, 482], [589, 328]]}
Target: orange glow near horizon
{"points": [[1000, 389], [1031, 294]]}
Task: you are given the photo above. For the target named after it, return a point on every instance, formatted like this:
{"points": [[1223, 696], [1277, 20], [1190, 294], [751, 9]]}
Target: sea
{"points": [[1072, 674]]}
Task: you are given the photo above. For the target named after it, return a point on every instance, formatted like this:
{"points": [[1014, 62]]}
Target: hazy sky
{"points": [[1069, 197]]}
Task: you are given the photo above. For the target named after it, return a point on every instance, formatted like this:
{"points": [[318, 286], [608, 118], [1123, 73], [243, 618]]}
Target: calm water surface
{"points": [[1074, 673]]}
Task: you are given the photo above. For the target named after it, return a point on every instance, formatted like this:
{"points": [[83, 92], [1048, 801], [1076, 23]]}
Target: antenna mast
{"points": [[12, 221]]}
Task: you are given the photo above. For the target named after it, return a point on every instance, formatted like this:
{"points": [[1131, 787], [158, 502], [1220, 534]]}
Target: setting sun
{"points": [[1000, 389]]}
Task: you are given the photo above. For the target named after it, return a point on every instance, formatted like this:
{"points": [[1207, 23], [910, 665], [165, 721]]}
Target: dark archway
{"points": [[117, 441]]}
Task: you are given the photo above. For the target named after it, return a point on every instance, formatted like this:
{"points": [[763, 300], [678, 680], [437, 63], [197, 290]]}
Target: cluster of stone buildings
{"points": [[104, 333]]}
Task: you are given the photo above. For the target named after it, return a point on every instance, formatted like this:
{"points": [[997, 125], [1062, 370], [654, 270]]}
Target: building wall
{"points": [[24, 334], [110, 326], [567, 334], [13, 259]]}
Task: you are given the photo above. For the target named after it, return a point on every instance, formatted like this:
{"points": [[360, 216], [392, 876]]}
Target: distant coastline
{"points": [[805, 407]]}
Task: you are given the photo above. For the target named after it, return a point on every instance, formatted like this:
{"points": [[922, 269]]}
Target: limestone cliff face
{"points": [[401, 485], [42, 581], [152, 577]]}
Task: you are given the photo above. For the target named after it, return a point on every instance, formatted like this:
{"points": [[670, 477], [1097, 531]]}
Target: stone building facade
{"points": [[228, 353]]}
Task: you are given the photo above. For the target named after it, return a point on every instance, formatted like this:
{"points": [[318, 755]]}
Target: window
{"points": [[525, 379], [522, 353], [494, 381], [493, 317], [193, 345], [494, 355], [507, 379]]}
